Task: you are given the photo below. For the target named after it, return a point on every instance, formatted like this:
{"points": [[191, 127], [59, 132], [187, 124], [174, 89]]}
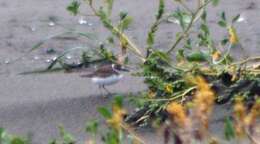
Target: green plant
{"points": [[65, 137], [117, 130], [6, 138], [196, 52], [170, 74]]}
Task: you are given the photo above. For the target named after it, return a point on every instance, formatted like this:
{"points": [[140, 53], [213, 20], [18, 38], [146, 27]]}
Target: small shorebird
{"points": [[106, 75]]}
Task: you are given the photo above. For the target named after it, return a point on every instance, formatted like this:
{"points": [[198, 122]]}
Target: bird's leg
{"points": [[101, 90], [106, 90]]}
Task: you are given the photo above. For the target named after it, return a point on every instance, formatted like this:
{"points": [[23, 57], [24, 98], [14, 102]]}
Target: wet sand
{"points": [[39, 103]]}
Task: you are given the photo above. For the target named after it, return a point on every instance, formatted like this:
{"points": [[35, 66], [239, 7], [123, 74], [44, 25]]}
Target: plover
{"points": [[106, 75]]}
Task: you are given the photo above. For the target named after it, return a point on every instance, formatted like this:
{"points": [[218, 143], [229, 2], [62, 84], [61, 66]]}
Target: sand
{"points": [[37, 104]]}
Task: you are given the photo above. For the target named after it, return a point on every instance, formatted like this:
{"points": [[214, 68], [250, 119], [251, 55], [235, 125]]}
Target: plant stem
{"points": [[184, 93], [153, 29], [179, 39], [247, 60], [194, 18], [132, 46], [132, 133], [177, 96], [251, 138], [123, 37], [186, 7]]}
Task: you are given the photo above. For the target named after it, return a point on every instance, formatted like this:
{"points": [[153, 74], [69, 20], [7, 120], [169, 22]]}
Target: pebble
{"points": [[90, 24], [51, 24], [68, 57], [50, 51], [48, 61], [6, 61], [36, 57], [33, 29], [241, 19], [82, 21], [54, 58]]}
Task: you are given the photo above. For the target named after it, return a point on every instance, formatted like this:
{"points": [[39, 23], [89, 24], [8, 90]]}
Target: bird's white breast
{"points": [[107, 80]]}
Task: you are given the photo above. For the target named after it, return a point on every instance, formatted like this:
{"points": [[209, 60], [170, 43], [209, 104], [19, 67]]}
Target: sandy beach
{"points": [[37, 104]]}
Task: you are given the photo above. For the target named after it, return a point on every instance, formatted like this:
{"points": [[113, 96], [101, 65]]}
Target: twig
{"points": [[154, 28], [177, 96], [186, 7], [123, 36], [132, 133], [194, 18], [251, 138], [247, 60]]}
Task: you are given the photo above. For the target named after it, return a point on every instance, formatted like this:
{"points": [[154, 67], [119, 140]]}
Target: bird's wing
{"points": [[103, 71]]}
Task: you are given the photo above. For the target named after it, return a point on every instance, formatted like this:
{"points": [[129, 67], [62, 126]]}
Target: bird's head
{"points": [[119, 67]]}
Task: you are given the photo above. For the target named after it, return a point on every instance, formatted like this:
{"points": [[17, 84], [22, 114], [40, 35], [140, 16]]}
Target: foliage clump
{"points": [[184, 82]]}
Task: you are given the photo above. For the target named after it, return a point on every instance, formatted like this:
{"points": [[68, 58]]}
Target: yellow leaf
{"points": [[233, 37], [216, 55]]}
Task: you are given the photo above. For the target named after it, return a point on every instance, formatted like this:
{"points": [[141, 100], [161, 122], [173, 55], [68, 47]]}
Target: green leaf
{"points": [[180, 55], [224, 41], [112, 137], [151, 34], [109, 5], [188, 44], [123, 15], [2, 131], [4, 137], [105, 53], [223, 16], [229, 129], [124, 24], [204, 16], [118, 101], [197, 56], [111, 40], [150, 38], [53, 141], [104, 112], [74, 7], [222, 24], [235, 18], [215, 2], [18, 140], [162, 55], [186, 19], [182, 18], [92, 127], [67, 137], [105, 19], [160, 10], [204, 28]]}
